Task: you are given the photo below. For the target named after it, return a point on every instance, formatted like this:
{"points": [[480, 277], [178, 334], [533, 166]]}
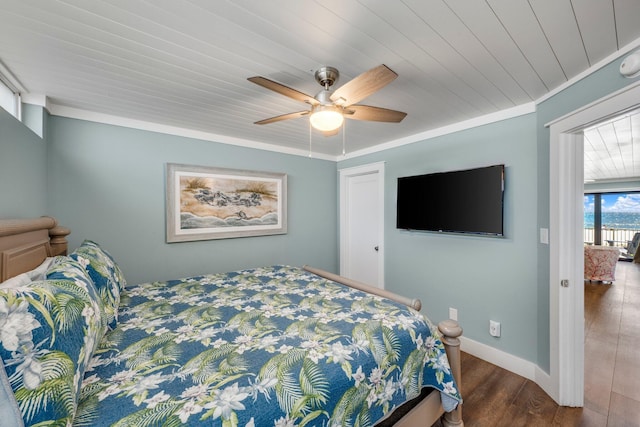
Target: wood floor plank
{"points": [[626, 380], [606, 312], [531, 407], [487, 401], [632, 295], [582, 417], [599, 368], [624, 412], [630, 320]]}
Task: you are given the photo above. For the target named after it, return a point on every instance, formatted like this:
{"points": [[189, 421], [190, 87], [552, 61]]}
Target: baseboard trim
{"points": [[507, 361], [511, 363], [546, 383]]}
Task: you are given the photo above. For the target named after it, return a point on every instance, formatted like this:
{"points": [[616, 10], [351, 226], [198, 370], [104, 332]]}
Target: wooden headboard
{"points": [[25, 243]]}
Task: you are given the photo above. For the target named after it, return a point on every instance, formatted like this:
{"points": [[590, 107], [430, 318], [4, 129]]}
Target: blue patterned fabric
{"points": [[106, 276], [49, 331], [65, 268], [262, 347]]}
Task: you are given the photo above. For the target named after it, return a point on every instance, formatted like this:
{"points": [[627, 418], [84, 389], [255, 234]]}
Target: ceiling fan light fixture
{"points": [[326, 118]]}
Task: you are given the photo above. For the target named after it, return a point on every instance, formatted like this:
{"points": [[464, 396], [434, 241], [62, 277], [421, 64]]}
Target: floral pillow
{"points": [[49, 331], [65, 268], [106, 275]]}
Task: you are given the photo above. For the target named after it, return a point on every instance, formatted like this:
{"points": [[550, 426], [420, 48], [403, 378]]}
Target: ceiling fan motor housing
{"points": [[327, 76]]}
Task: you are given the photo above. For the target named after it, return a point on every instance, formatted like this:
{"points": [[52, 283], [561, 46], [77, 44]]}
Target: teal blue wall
{"points": [[109, 186], [35, 118], [23, 168], [484, 278]]}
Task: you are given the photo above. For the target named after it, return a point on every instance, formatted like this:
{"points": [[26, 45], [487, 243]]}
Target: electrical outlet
{"points": [[453, 313], [494, 328]]}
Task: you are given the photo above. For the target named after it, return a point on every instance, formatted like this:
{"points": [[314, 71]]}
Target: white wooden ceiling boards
{"points": [[612, 149], [184, 64]]}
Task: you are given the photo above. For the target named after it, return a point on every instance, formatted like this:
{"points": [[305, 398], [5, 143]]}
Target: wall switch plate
{"points": [[544, 236], [453, 313], [494, 328]]}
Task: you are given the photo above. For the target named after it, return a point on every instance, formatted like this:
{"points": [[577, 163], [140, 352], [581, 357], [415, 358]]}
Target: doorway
{"points": [[566, 295], [362, 224]]}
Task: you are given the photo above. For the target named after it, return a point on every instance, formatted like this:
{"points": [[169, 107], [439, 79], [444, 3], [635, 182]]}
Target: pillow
{"points": [[9, 411], [48, 334], [37, 273], [16, 281], [106, 275], [65, 268]]}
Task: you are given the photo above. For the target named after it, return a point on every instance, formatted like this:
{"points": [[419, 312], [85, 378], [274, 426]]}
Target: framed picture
{"points": [[214, 203]]}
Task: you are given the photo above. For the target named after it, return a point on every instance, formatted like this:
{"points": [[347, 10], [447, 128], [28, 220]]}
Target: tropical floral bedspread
{"points": [[263, 347]]}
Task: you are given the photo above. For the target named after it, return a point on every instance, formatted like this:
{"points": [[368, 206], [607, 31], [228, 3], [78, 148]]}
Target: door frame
{"points": [[566, 259], [345, 174]]}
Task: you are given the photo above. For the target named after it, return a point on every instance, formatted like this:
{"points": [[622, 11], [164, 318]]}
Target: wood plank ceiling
{"points": [[185, 63], [612, 149]]}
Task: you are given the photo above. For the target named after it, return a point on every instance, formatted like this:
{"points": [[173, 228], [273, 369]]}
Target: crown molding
{"points": [[10, 80], [91, 116], [600, 64], [509, 113]]}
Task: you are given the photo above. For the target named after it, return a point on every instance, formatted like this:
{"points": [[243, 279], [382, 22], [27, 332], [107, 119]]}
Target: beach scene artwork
{"points": [[222, 204]]}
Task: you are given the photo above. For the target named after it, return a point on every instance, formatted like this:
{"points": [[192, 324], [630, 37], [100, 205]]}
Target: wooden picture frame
{"points": [[204, 203]]}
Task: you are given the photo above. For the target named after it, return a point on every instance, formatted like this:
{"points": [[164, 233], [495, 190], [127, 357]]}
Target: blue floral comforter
{"points": [[263, 347]]}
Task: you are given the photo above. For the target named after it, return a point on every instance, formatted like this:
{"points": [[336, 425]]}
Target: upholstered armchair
{"points": [[600, 263]]}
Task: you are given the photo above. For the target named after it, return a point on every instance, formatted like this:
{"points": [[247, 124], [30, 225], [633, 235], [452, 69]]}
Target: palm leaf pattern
{"points": [[105, 274], [261, 347], [50, 330]]}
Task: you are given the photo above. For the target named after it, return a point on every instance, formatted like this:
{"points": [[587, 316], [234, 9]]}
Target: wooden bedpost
{"points": [[58, 240], [451, 330]]}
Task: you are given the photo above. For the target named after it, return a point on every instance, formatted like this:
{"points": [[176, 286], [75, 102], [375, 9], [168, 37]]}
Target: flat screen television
{"points": [[464, 201]]}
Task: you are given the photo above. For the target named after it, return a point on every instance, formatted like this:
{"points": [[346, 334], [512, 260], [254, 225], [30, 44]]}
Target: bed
{"points": [[270, 346]]}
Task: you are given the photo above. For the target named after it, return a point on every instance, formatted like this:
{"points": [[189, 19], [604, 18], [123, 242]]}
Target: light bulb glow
{"points": [[326, 118]]}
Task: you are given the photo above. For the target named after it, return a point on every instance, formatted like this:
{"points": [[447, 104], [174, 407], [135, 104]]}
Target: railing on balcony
{"points": [[611, 236]]}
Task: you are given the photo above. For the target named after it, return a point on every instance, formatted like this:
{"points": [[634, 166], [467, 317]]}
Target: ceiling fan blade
{"points": [[282, 117], [374, 114], [363, 85], [283, 90]]}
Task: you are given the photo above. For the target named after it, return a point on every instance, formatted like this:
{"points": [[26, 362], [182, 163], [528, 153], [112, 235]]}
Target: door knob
{"points": [[376, 249]]}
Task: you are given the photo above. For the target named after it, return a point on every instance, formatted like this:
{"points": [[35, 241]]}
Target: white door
{"points": [[362, 224]]}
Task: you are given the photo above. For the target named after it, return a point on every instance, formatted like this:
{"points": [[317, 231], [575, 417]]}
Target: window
{"points": [[589, 218], [9, 99], [611, 218]]}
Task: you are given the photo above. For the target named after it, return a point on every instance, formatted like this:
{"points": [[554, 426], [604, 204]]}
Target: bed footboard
{"points": [[414, 303], [430, 409]]}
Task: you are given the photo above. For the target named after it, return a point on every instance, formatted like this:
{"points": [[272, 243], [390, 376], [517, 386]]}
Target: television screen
{"points": [[466, 201]]}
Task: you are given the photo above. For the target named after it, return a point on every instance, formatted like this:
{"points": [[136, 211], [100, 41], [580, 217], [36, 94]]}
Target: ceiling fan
{"points": [[330, 107]]}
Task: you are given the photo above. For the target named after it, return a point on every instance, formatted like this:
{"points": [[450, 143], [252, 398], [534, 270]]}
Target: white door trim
{"points": [[566, 263], [345, 174], [566, 169]]}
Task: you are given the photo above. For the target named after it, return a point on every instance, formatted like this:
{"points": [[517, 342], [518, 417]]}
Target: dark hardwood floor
{"points": [[496, 397]]}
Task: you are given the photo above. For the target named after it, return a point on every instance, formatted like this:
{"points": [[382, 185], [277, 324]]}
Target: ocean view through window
{"points": [[614, 220]]}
